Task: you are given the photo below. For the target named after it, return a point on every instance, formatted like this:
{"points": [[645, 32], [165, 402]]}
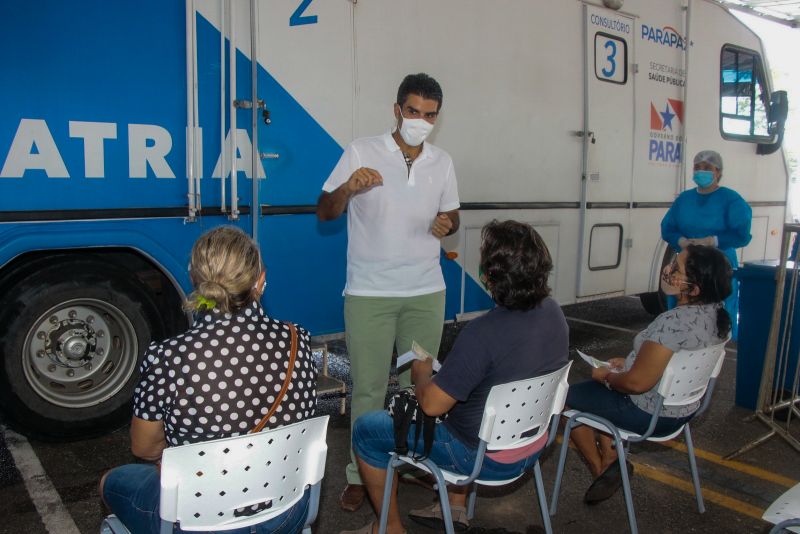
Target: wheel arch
{"points": [[157, 250], [654, 301], [165, 288], [662, 250]]}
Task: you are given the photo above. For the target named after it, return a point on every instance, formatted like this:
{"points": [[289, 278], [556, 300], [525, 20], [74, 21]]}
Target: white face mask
{"points": [[666, 282], [415, 131], [669, 289]]}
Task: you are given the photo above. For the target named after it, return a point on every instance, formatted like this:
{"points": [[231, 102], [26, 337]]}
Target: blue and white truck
{"points": [[128, 128]]}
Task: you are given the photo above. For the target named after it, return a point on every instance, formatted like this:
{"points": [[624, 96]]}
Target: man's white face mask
{"points": [[414, 131]]}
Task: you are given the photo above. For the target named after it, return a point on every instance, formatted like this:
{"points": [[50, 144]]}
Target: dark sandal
{"points": [[607, 483]]}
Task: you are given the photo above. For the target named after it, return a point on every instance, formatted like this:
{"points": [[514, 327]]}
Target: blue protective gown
{"points": [[722, 213]]}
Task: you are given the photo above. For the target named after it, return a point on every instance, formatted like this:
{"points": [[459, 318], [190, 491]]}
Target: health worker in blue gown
{"points": [[710, 215]]}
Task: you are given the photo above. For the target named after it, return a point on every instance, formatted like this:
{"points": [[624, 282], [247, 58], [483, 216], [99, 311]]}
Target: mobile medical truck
{"points": [[128, 128]]}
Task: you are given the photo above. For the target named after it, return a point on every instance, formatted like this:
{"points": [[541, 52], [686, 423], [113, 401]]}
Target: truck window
{"points": [[743, 95]]}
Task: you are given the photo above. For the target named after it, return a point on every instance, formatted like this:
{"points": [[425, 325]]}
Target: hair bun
{"points": [[211, 290]]}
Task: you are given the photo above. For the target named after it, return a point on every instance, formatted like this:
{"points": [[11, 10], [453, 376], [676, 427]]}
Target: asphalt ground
{"points": [[51, 487]]}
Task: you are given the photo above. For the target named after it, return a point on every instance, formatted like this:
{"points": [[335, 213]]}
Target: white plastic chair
{"points": [[785, 511], [211, 485], [689, 377], [516, 415]]}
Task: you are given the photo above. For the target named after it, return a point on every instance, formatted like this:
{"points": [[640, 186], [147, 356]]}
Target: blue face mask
{"points": [[703, 179]]}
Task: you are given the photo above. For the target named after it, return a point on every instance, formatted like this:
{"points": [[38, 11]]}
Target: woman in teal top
{"points": [[710, 215]]}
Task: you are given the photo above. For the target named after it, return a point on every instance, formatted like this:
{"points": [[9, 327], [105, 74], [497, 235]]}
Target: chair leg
{"points": [[537, 475], [562, 459], [112, 525], [313, 504], [441, 487], [387, 493], [626, 483], [781, 527], [701, 507], [473, 494]]}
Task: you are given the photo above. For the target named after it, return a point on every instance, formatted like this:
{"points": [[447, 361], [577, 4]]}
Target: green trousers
{"points": [[375, 325]]}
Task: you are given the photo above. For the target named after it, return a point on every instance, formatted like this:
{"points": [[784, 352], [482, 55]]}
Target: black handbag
{"points": [[406, 413]]}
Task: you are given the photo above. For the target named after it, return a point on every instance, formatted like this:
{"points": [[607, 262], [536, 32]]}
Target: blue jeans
{"points": [[373, 442], [132, 492], [593, 397]]}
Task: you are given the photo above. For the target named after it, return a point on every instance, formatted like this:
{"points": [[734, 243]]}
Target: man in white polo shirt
{"points": [[401, 199]]}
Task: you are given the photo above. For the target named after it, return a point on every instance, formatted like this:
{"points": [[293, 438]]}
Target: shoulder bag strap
{"points": [[282, 393]]}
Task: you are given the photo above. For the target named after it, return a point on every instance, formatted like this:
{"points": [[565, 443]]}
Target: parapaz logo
{"points": [[663, 120], [665, 124], [666, 36]]}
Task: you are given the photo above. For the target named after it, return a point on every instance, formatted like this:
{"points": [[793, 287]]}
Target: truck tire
{"points": [[655, 302], [72, 336]]}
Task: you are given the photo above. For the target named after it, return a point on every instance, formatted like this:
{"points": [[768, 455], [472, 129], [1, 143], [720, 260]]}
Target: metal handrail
{"points": [[233, 135]]}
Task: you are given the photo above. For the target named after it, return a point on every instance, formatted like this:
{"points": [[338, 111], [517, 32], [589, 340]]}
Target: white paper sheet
{"points": [[591, 360], [417, 353]]}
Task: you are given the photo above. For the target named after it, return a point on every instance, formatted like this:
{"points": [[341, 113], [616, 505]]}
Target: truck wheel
{"points": [[655, 302], [72, 337]]}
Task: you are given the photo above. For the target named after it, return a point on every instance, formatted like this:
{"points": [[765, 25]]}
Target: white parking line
{"points": [[45, 498], [601, 325]]}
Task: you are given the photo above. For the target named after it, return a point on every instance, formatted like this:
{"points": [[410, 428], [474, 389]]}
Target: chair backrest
{"points": [[686, 377], [244, 480], [518, 413], [785, 511]]}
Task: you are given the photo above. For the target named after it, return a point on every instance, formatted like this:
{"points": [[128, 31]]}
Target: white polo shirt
{"points": [[391, 251]]}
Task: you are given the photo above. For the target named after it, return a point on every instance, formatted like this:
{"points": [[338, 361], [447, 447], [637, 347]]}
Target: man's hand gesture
{"points": [[441, 225], [363, 178]]}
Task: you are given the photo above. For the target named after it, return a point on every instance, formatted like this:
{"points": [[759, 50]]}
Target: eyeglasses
{"points": [[670, 273]]}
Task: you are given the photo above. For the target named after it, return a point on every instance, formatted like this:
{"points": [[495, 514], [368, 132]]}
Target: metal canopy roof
{"points": [[784, 11]]}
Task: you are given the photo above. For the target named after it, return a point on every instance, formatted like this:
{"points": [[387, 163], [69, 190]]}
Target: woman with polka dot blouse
{"points": [[218, 379]]}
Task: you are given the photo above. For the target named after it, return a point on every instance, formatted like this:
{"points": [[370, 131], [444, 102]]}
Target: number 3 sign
{"points": [[610, 58]]}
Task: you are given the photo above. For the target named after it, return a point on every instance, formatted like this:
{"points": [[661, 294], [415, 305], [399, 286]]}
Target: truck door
{"points": [[607, 150], [306, 80], [303, 118]]}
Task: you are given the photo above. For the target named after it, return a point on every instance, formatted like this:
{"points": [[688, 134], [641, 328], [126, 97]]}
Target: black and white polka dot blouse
{"points": [[221, 377]]}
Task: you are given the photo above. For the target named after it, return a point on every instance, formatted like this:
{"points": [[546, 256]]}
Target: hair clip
{"points": [[208, 303]]}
